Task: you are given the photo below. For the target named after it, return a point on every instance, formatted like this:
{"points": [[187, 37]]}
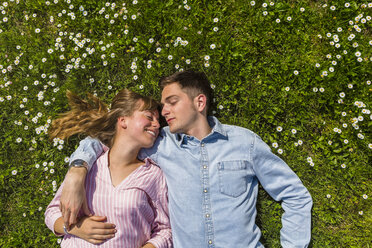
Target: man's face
{"points": [[178, 109]]}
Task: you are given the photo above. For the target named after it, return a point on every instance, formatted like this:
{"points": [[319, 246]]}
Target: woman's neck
{"points": [[122, 161], [123, 154]]}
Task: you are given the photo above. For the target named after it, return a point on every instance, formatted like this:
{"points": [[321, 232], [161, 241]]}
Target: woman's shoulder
{"points": [[156, 175], [152, 166], [103, 159], [152, 176]]}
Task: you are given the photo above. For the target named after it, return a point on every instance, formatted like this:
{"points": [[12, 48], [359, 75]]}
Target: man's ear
{"points": [[122, 122], [200, 102]]}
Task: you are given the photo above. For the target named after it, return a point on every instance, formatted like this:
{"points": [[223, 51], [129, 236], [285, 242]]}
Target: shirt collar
{"points": [[148, 161], [105, 159], [214, 123]]}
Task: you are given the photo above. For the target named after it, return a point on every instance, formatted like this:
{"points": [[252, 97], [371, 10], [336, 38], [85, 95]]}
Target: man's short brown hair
{"points": [[193, 83]]}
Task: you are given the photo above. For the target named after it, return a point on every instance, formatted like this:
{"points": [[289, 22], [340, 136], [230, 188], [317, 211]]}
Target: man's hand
{"points": [[93, 229], [73, 196]]}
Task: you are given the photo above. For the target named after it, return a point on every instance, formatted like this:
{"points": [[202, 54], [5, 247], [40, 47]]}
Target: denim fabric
{"points": [[213, 185]]}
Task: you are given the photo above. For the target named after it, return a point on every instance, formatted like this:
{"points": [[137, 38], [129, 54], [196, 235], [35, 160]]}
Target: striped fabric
{"points": [[137, 206]]}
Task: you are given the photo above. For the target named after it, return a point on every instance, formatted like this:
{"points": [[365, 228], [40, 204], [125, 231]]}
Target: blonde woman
{"points": [[128, 197]]}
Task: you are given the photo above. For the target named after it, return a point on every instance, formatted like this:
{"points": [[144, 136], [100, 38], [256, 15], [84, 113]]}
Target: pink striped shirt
{"points": [[137, 206]]}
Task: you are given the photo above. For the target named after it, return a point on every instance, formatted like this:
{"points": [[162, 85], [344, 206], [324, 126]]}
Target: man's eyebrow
{"points": [[169, 98]]}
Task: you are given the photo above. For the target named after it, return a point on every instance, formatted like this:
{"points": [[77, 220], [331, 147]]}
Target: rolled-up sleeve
{"points": [[89, 150], [284, 185]]}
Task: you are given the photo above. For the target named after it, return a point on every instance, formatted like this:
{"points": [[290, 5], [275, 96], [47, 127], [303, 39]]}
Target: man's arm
{"points": [[89, 150], [73, 194], [284, 185]]}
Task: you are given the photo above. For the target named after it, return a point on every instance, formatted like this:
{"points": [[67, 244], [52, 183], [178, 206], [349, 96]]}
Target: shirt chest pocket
{"points": [[233, 177]]}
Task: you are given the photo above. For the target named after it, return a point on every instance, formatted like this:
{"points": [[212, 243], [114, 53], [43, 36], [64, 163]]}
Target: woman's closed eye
{"points": [[149, 116]]}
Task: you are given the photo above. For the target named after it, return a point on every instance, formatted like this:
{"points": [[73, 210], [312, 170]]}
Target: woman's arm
{"points": [[148, 245], [161, 231], [90, 228]]}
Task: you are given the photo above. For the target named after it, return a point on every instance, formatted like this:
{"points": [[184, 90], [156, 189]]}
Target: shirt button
{"points": [[207, 215], [210, 241], [205, 167], [205, 190], [202, 144]]}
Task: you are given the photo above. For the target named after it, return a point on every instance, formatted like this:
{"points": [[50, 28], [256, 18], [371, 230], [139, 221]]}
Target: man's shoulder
{"points": [[238, 130], [245, 135], [228, 128]]}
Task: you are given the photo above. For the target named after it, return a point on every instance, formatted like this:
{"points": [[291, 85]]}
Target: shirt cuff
{"points": [[160, 242], [85, 157], [50, 220]]}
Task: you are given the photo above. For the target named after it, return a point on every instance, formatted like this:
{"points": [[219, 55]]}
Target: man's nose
{"points": [[164, 111]]}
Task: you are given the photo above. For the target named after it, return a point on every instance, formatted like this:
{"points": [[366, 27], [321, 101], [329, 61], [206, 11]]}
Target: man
{"points": [[212, 171]]}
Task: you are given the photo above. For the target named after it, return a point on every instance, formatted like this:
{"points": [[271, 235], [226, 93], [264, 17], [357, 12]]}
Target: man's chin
{"points": [[173, 129]]}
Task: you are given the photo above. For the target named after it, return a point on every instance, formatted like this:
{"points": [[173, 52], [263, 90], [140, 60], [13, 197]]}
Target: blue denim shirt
{"points": [[213, 185]]}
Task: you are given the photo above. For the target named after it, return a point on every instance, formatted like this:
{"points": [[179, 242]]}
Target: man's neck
{"points": [[200, 130]]}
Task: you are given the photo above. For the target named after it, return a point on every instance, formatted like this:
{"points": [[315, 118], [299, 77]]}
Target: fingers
{"points": [[73, 196], [103, 232], [85, 208], [95, 230], [101, 227], [72, 216], [97, 241], [66, 218], [69, 216], [103, 237], [105, 226], [61, 207], [98, 218], [97, 224]]}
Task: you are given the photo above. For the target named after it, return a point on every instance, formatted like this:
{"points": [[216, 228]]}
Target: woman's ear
{"points": [[122, 122]]}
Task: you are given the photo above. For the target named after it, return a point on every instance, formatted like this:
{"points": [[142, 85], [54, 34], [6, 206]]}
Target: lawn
{"points": [[294, 72]]}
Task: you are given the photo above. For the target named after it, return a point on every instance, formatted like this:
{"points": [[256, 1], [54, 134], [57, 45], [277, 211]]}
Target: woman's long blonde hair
{"points": [[92, 117]]}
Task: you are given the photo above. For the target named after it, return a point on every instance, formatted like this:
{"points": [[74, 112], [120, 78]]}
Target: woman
{"points": [[131, 194]]}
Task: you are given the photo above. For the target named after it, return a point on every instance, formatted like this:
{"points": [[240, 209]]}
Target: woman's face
{"points": [[144, 126]]}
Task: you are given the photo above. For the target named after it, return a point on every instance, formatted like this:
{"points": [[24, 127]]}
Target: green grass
{"points": [[252, 66]]}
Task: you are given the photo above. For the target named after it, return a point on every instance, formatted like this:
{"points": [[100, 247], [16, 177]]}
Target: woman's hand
{"points": [[148, 245], [93, 229]]}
